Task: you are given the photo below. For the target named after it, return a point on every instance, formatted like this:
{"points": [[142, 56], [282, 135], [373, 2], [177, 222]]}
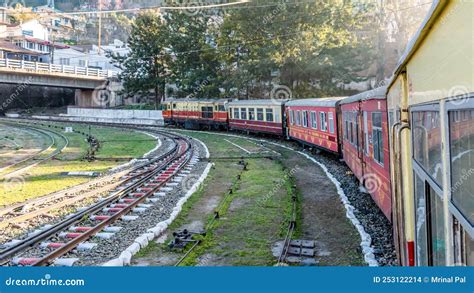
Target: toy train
{"points": [[410, 142]]}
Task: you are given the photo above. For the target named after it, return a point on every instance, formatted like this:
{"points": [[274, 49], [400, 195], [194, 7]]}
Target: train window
{"points": [[331, 122], [292, 117], [314, 122], [221, 108], [207, 112], [430, 238], [350, 128], [346, 126], [427, 143], [269, 115], [366, 133], [305, 118], [462, 163], [174, 106], [420, 214], [251, 113], [260, 114], [236, 113], [322, 121], [435, 215], [298, 118], [463, 245], [243, 113], [377, 137]]}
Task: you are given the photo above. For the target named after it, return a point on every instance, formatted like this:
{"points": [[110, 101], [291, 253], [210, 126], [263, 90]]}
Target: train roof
{"points": [[375, 94], [322, 102], [265, 102], [184, 100]]}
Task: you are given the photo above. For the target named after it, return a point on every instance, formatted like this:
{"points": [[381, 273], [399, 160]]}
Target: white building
{"points": [[71, 56], [33, 28], [88, 56]]}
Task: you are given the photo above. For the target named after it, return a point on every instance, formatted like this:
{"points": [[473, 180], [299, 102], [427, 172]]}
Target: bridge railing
{"points": [[56, 68]]}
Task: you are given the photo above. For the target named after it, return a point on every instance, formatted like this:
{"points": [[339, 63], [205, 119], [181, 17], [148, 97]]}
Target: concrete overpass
{"points": [[88, 82]]}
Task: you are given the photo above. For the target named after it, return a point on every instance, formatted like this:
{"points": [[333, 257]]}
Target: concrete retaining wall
{"points": [[140, 117], [113, 113]]}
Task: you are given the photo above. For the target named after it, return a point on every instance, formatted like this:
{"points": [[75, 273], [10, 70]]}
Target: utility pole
{"points": [[100, 26]]}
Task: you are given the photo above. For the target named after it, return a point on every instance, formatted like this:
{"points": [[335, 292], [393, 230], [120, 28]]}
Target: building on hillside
{"points": [[4, 16], [84, 56], [60, 26], [73, 56], [12, 51]]}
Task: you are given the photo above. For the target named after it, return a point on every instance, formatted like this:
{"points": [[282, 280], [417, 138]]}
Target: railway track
{"points": [[40, 156], [19, 214], [139, 186]]}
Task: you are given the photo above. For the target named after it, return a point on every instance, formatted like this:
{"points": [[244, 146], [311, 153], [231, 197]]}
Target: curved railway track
{"points": [[36, 159], [139, 186], [19, 214]]}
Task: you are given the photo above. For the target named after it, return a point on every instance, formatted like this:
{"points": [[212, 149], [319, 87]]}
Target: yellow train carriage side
{"points": [[431, 113]]}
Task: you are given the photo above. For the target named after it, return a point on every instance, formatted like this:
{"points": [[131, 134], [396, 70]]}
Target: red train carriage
{"points": [[365, 144], [314, 122], [196, 113], [260, 116]]}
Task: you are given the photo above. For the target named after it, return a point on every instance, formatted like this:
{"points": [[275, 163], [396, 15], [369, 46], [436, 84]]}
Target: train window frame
{"points": [[251, 114], [236, 113], [292, 117], [269, 111], [365, 118], [221, 108], [380, 143], [466, 103], [346, 126], [298, 118], [304, 117], [243, 113], [259, 114], [314, 120], [331, 122], [425, 108], [323, 121], [430, 191]]}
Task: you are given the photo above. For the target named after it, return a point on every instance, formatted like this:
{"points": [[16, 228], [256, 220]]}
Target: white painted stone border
{"points": [[142, 241], [158, 145], [366, 240]]}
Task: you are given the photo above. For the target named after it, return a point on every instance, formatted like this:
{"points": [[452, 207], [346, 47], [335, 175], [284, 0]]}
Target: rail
{"points": [[38, 67]]}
